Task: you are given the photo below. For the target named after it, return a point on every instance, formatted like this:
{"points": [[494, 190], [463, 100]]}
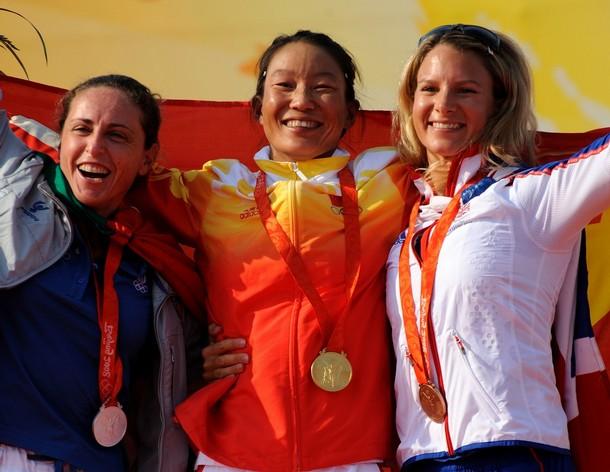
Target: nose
{"points": [[444, 101], [95, 144], [302, 98]]}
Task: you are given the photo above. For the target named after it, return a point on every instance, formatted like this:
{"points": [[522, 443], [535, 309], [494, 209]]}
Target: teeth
{"points": [[301, 124], [93, 170], [436, 124]]}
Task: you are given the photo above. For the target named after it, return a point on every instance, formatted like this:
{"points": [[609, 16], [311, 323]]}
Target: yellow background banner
{"points": [[207, 49]]}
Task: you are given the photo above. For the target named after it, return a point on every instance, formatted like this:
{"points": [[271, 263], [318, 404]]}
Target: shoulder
{"points": [[381, 162], [376, 158], [224, 176], [223, 170], [14, 153], [35, 136]]}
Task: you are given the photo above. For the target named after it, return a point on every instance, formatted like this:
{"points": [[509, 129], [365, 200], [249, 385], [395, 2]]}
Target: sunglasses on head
{"points": [[483, 35]]}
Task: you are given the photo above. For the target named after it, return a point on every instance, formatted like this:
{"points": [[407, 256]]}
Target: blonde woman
{"points": [[481, 286]]}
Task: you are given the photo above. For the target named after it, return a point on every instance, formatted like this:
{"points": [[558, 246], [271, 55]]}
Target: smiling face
{"points": [[102, 148], [453, 101], [304, 111]]}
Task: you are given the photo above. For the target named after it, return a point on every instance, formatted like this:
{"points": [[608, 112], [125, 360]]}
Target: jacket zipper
{"points": [[161, 439], [464, 356], [294, 351]]}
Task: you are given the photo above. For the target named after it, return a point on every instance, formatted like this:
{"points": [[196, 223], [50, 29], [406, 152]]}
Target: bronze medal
{"points": [[109, 425], [432, 402], [331, 371]]}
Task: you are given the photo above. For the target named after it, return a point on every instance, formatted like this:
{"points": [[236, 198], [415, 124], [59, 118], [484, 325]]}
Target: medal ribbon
{"points": [[296, 266], [418, 341], [110, 373], [110, 370]]}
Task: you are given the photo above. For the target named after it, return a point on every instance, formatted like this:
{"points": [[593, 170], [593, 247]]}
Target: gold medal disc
{"points": [[331, 371], [432, 402]]}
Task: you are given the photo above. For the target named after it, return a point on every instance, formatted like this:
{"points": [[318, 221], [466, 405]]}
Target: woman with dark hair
{"points": [[482, 292], [293, 259], [85, 310]]}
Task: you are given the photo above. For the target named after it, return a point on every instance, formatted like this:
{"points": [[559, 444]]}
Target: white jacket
{"points": [[500, 273]]}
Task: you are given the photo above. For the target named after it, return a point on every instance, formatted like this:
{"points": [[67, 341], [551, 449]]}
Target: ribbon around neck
{"points": [[418, 340], [332, 335]]}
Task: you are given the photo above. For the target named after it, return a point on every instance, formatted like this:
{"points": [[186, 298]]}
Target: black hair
{"points": [[341, 56]]}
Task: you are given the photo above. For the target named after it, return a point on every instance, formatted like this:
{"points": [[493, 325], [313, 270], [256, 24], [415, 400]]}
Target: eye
{"points": [[283, 85], [81, 130], [466, 90], [324, 88], [427, 88], [117, 136]]}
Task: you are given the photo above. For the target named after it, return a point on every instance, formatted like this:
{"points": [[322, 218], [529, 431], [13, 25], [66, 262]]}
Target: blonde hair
{"points": [[508, 137]]}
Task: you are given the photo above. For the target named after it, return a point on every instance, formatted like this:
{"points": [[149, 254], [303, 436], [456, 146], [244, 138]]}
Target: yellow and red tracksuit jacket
{"points": [[273, 417]]}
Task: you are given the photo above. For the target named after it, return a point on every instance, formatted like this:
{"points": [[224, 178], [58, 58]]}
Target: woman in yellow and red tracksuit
{"points": [[273, 416]]}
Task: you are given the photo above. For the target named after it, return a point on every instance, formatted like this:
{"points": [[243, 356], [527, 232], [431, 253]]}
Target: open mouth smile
{"points": [[308, 124], [444, 125], [92, 171]]}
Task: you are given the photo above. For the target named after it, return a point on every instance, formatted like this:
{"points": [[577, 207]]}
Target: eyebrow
{"points": [[459, 82], [317, 74], [90, 122]]}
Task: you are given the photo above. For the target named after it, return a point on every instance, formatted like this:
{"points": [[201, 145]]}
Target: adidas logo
{"points": [[338, 210], [335, 205], [249, 213]]}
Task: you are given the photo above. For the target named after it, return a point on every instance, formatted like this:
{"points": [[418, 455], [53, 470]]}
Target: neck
{"points": [[279, 157], [437, 173]]}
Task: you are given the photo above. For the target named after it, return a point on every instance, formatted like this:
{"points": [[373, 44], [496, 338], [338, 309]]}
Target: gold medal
{"points": [[331, 371], [432, 402]]}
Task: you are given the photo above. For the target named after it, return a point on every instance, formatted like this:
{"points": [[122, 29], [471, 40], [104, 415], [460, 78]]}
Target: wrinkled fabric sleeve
{"points": [[174, 200]]}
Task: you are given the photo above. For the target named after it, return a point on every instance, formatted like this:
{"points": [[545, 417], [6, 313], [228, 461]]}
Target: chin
{"points": [[446, 152], [87, 200]]}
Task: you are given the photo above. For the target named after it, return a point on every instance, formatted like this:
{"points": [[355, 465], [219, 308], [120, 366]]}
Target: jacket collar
{"points": [[321, 169], [461, 170]]}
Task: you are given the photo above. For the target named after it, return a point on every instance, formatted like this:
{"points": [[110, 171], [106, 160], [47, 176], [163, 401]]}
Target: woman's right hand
{"points": [[219, 358]]}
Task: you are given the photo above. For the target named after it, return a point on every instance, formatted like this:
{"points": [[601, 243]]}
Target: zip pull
{"points": [[409, 356], [459, 343], [295, 168]]}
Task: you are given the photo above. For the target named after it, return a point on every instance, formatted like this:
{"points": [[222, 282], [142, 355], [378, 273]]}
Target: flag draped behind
{"points": [[194, 131]]}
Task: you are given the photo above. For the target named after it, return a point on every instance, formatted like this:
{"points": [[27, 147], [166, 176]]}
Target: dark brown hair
{"points": [[139, 94]]}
